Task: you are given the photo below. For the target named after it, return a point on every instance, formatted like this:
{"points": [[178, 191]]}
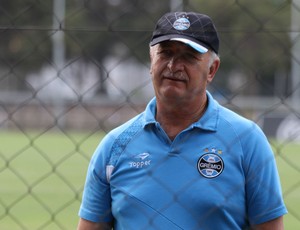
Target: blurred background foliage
{"points": [[254, 36]]}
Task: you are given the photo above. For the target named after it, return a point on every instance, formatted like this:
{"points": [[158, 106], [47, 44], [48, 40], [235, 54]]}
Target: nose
{"points": [[175, 64]]}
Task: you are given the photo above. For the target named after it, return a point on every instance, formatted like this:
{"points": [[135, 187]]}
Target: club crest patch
{"points": [[210, 165], [181, 24]]}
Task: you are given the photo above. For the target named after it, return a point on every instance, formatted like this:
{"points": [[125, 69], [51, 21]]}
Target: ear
{"points": [[213, 70]]}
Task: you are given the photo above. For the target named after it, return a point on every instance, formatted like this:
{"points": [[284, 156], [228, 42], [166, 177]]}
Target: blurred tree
{"points": [[97, 29], [254, 40], [254, 36], [24, 40]]}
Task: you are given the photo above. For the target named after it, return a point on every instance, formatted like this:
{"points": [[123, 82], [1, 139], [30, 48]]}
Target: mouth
{"points": [[179, 77], [174, 79]]}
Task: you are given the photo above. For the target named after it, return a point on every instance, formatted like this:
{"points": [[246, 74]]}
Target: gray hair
{"points": [[213, 57]]}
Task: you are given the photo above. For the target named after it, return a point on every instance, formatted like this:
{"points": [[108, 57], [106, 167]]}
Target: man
{"points": [[185, 162]]}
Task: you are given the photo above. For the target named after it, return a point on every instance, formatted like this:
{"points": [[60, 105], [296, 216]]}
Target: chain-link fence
{"points": [[72, 70]]}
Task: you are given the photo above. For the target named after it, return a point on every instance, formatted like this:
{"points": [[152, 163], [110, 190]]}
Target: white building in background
{"points": [[75, 80], [126, 78]]}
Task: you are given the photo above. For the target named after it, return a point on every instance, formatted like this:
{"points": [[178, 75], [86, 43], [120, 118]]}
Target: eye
{"points": [[191, 57], [165, 53]]}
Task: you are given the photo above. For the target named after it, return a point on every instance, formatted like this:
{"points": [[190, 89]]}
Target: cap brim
{"points": [[194, 45]]}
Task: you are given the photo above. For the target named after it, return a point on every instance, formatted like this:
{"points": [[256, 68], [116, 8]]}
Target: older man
{"points": [[186, 162]]}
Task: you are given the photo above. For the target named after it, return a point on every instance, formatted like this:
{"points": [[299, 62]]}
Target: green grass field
{"points": [[288, 161], [42, 176]]}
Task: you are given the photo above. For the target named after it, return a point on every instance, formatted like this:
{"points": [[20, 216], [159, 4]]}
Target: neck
{"points": [[176, 118]]}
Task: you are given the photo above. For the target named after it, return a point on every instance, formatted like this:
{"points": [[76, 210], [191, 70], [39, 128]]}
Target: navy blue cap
{"points": [[194, 29]]}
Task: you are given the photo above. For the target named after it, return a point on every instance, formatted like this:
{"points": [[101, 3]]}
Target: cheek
{"points": [[152, 70], [204, 73], [154, 73], [156, 67], [200, 78]]}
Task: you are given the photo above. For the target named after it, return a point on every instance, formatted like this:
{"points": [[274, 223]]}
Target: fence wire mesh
{"points": [[72, 70]]}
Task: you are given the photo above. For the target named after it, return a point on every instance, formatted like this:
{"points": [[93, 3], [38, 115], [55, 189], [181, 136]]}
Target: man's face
{"points": [[180, 73]]}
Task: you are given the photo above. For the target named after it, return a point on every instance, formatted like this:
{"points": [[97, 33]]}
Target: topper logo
{"points": [[142, 161]]}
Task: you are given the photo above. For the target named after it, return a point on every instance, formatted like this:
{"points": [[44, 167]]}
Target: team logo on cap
{"points": [[210, 165], [181, 24]]}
